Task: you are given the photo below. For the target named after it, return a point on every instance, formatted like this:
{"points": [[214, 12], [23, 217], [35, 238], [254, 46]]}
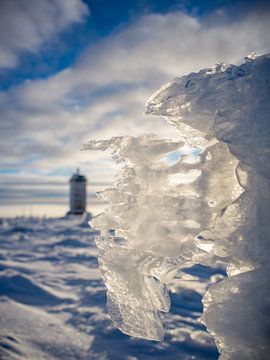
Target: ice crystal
{"points": [[172, 208]]}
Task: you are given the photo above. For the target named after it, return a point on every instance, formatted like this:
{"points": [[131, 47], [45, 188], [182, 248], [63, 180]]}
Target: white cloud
{"points": [[44, 122], [25, 25]]}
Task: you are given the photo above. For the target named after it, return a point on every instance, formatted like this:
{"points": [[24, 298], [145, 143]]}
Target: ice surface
{"points": [[201, 200]]}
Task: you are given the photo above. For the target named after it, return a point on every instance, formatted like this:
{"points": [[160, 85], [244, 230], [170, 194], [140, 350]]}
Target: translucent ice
{"points": [[199, 200]]}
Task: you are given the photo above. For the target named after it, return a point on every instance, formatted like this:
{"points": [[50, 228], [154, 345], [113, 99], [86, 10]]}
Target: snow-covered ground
{"points": [[53, 300]]}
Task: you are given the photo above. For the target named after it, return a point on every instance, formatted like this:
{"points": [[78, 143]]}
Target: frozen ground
{"points": [[53, 301]]}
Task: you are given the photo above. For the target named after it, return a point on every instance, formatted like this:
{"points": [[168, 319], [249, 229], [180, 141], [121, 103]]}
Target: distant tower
{"points": [[77, 193]]}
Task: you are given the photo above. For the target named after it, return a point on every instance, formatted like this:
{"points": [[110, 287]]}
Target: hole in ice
{"points": [[172, 158], [192, 154], [191, 85], [211, 203]]}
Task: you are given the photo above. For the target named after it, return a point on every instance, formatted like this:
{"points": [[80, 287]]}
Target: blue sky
{"points": [[72, 70], [106, 17]]}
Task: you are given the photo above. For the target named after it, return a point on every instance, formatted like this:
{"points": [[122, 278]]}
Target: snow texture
{"points": [[204, 199], [52, 299]]}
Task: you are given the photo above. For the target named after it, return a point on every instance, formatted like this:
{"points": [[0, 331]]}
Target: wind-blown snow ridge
{"points": [[171, 209]]}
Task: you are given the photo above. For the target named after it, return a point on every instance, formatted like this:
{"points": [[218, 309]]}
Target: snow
{"points": [[169, 216], [53, 299]]}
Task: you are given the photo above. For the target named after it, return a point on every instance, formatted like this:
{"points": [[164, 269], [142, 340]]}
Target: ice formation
{"points": [[200, 200]]}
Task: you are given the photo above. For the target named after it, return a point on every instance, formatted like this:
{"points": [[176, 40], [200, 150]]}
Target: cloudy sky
{"points": [[74, 70]]}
